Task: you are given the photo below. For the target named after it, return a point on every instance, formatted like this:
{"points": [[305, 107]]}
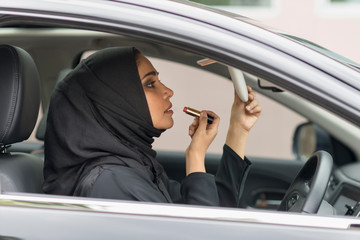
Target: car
{"points": [[42, 40]]}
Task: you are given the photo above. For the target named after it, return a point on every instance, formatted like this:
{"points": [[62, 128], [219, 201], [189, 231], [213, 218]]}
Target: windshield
{"points": [[325, 51]]}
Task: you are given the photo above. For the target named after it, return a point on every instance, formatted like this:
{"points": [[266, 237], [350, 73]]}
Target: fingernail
{"points": [[248, 108]]}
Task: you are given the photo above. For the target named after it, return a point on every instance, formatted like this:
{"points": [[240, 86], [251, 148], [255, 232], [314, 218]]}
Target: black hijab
{"points": [[98, 115]]}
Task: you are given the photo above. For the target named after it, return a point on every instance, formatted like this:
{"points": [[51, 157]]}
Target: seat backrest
{"points": [[20, 101]]}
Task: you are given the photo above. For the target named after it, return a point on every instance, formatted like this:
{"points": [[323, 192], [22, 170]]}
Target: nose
{"points": [[168, 93]]}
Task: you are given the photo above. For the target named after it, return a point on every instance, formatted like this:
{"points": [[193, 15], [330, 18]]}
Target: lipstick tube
{"points": [[196, 113]]}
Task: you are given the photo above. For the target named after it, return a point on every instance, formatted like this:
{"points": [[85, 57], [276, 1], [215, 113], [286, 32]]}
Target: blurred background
{"points": [[333, 24]]}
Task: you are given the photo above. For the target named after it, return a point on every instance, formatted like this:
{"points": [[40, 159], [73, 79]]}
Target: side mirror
{"points": [[309, 138]]}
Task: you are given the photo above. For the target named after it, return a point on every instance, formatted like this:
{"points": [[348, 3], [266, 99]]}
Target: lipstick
{"points": [[196, 113]]}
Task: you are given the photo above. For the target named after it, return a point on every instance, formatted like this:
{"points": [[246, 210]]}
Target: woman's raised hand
{"points": [[202, 135], [244, 115], [242, 119]]}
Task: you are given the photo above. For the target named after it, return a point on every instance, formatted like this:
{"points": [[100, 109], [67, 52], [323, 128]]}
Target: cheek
{"points": [[154, 106]]}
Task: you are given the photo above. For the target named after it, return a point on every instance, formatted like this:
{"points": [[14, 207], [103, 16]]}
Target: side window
{"points": [[271, 136]]}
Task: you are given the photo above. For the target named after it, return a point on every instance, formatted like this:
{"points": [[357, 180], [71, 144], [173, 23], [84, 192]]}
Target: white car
{"points": [[319, 199]]}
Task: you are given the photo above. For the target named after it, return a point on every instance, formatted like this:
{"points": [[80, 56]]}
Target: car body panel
{"points": [[113, 219]]}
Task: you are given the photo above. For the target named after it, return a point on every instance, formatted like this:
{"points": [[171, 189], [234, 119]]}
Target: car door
{"points": [[266, 184], [270, 145]]}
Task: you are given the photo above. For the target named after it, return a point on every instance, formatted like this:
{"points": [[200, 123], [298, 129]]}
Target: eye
{"points": [[149, 84]]}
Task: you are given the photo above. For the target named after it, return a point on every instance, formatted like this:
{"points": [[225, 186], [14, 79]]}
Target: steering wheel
{"points": [[307, 191]]}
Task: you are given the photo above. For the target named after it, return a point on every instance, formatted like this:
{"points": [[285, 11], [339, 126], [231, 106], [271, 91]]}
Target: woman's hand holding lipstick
{"points": [[242, 119], [202, 134], [196, 113]]}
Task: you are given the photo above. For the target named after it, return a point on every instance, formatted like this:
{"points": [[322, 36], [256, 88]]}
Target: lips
{"points": [[169, 108]]}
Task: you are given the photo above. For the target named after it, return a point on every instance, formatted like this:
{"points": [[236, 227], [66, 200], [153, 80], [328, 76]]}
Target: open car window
{"points": [[200, 89]]}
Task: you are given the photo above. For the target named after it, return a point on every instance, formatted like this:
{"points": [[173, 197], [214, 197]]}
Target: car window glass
{"points": [[270, 137]]}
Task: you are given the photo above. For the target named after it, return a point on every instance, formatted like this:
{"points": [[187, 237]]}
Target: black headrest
{"points": [[19, 94]]}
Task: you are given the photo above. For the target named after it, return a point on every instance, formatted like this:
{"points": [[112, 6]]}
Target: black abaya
{"points": [[99, 135]]}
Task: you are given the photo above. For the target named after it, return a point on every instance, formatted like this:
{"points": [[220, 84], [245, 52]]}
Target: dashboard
{"points": [[343, 191]]}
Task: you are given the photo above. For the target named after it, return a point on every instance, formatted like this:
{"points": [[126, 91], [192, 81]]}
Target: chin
{"points": [[165, 126], [169, 125]]}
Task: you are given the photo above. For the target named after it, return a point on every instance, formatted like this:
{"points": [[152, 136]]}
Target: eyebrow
{"points": [[153, 73]]}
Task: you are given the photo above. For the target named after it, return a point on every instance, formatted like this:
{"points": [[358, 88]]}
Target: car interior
{"points": [[34, 59], [20, 93]]}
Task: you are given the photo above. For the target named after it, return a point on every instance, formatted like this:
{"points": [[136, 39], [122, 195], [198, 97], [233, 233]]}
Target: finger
{"points": [[252, 105], [194, 125], [256, 110], [216, 120], [212, 114], [202, 122], [250, 90], [250, 97], [251, 93]]}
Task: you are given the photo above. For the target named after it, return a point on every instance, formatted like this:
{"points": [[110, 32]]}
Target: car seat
{"points": [[20, 98]]}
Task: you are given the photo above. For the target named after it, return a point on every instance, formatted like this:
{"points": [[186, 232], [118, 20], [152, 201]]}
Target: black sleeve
{"points": [[173, 188], [231, 177], [204, 189], [197, 189], [118, 182]]}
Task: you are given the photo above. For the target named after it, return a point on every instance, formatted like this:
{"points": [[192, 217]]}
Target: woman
{"points": [[101, 123]]}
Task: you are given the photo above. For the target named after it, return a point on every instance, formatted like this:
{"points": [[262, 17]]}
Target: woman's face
{"points": [[157, 94]]}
